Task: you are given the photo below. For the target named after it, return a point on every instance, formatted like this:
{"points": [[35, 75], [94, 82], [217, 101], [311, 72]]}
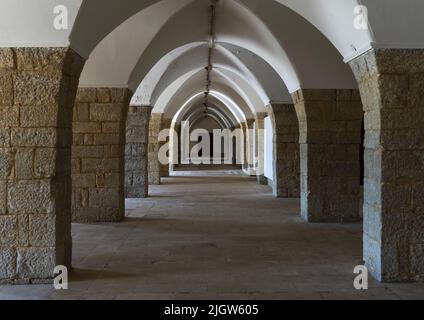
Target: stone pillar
{"points": [[391, 82], [98, 172], [37, 92], [250, 147], [245, 162], [286, 182], [136, 150], [156, 169], [330, 137], [260, 148]]}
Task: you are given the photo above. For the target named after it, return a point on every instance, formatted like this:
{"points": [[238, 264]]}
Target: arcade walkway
{"points": [[216, 236]]}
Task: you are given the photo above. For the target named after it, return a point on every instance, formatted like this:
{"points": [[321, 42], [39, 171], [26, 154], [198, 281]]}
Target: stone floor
{"points": [[219, 236]]}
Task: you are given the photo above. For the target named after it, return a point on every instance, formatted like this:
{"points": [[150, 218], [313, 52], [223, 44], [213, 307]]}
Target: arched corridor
{"points": [[179, 127]]}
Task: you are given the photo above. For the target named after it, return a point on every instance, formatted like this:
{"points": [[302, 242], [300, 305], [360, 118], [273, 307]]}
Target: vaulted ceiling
{"points": [[263, 49]]}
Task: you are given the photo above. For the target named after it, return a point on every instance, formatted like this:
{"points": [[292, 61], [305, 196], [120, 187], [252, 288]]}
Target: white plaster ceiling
{"points": [[395, 23], [172, 98]]}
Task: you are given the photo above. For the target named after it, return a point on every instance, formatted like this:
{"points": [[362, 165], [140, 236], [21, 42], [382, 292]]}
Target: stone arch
{"points": [[389, 89]]}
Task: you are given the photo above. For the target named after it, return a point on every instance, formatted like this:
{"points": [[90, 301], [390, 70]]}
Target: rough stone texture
{"points": [[37, 92], [136, 152], [286, 182], [330, 136], [98, 173], [156, 169], [391, 82]]}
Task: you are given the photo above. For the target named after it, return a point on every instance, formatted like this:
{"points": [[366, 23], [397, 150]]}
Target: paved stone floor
{"points": [[215, 237]]}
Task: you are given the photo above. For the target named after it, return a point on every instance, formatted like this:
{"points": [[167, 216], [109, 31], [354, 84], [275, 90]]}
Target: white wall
{"points": [[29, 23], [269, 149]]}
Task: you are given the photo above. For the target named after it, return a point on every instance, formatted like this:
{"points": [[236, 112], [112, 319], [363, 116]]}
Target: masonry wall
{"points": [[330, 124], [37, 91], [286, 182], [392, 89], [156, 169], [136, 152], [98, 172]]}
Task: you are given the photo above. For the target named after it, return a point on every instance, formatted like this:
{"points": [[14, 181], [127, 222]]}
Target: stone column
{"points": [[136, 150], [244, 164], [37, 92], [330, 137], [286, 183], [98, 153], [250, 147], [156, 169], [391, 82], [260, 148]]}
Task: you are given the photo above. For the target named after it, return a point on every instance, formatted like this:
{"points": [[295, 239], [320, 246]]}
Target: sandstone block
{"points": [[24, 163], [86, 95], [36, 89], [103, 197], [34, 137], [40, 59], [118, 95], [23, 230], [6, 89], [87, 180], [87, 127], [30, 197], [108, 180], [8, 230], [4, 137], [6, 59], [36, 263], [103, 95], [107, 138], [3, 197], [100, 165], [87, 152], [42, 230], [39, 116], [45, 162], [111, 127], [7, 263], [105, 112], [6, 163], [114, 151], [9, 116]]}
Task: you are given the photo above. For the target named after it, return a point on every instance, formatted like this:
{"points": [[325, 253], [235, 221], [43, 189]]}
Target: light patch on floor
{"points": [[211, 235]]}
